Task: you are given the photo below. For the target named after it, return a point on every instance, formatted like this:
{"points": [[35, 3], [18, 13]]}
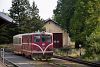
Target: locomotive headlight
{"points": [[43, 44]]}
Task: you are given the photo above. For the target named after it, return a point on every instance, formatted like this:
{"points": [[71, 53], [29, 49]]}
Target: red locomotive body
{"points": [[36, 45]]}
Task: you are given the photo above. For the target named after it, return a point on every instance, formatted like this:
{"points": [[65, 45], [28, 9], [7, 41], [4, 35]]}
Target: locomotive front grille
{"points": [[43, 56]]}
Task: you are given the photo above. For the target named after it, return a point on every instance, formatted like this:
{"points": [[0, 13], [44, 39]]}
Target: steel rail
{"points": [[78, 61]]}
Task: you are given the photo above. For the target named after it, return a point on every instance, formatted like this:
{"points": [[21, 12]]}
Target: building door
{"points": [[57, 40]]}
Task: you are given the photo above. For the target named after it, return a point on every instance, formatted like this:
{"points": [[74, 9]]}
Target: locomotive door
{"points": [[57, 40]]}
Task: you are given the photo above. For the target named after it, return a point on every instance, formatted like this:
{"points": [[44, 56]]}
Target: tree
{"points": [[25, 15], [20, 13], [36, 22], [93, 46], [64, 12], [7, 32], [34, 11], [79, 18], [84, 20], [26, 20]]}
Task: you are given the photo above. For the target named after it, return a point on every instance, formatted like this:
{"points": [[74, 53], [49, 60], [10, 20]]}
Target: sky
{"points": [[45, 7]]}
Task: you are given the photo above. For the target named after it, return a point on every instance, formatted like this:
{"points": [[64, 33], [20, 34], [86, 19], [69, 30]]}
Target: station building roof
{"points": [[4, 19]]}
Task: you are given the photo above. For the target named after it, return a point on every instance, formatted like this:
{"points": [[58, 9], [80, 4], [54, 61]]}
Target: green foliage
{"points": [[26, 20], [93, 44], [84, 20], [25, 16], [93, 32], [64, 12], [36, 22], [7, 32], [79, 18], [3, 46], [20, 13]]}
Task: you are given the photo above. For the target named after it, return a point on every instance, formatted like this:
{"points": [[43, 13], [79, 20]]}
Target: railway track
{"points": [[11, 60], [91, 64], [19, 61], [8, 63]]}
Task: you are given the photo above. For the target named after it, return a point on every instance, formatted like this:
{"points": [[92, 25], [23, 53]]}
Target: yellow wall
{"points": [[54, 28]]}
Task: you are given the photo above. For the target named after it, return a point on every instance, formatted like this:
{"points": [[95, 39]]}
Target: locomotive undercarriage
{"points": [[41, 56]]}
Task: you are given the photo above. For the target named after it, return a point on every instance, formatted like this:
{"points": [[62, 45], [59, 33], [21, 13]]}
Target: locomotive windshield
{"points": [[37, 38], [42, 38], [46, 38]]}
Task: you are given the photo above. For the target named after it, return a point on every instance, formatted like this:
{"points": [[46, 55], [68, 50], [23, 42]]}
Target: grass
{"points": [[3, 46], [6, 46], [92, 58], [70, 52]]}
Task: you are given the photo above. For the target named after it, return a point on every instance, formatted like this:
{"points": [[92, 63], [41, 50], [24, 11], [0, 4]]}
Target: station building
{"points": [[60, 36], [4, 19]]}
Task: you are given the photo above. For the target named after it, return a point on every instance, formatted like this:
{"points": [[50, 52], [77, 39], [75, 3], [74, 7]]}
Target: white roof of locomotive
{"points": [[20, 35]]}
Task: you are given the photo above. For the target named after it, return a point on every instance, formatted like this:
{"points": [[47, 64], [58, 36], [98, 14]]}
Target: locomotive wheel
{"points": [[47, 59], [32, 57], [40, 59]]}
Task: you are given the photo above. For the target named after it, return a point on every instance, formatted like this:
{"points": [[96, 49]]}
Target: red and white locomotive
{"points": [[36, 45]]}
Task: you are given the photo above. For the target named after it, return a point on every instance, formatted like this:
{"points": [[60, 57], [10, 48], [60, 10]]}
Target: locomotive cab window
{"points": [[37, 38], [46, 38], [17, 40]]}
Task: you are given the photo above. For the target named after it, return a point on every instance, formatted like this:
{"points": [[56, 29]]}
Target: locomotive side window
{"points": [[37, 38], [17, 40], [46, 38]]}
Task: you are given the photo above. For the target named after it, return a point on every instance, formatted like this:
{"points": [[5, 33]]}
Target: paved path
{"points": [[2, 65], [25, 62]]}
